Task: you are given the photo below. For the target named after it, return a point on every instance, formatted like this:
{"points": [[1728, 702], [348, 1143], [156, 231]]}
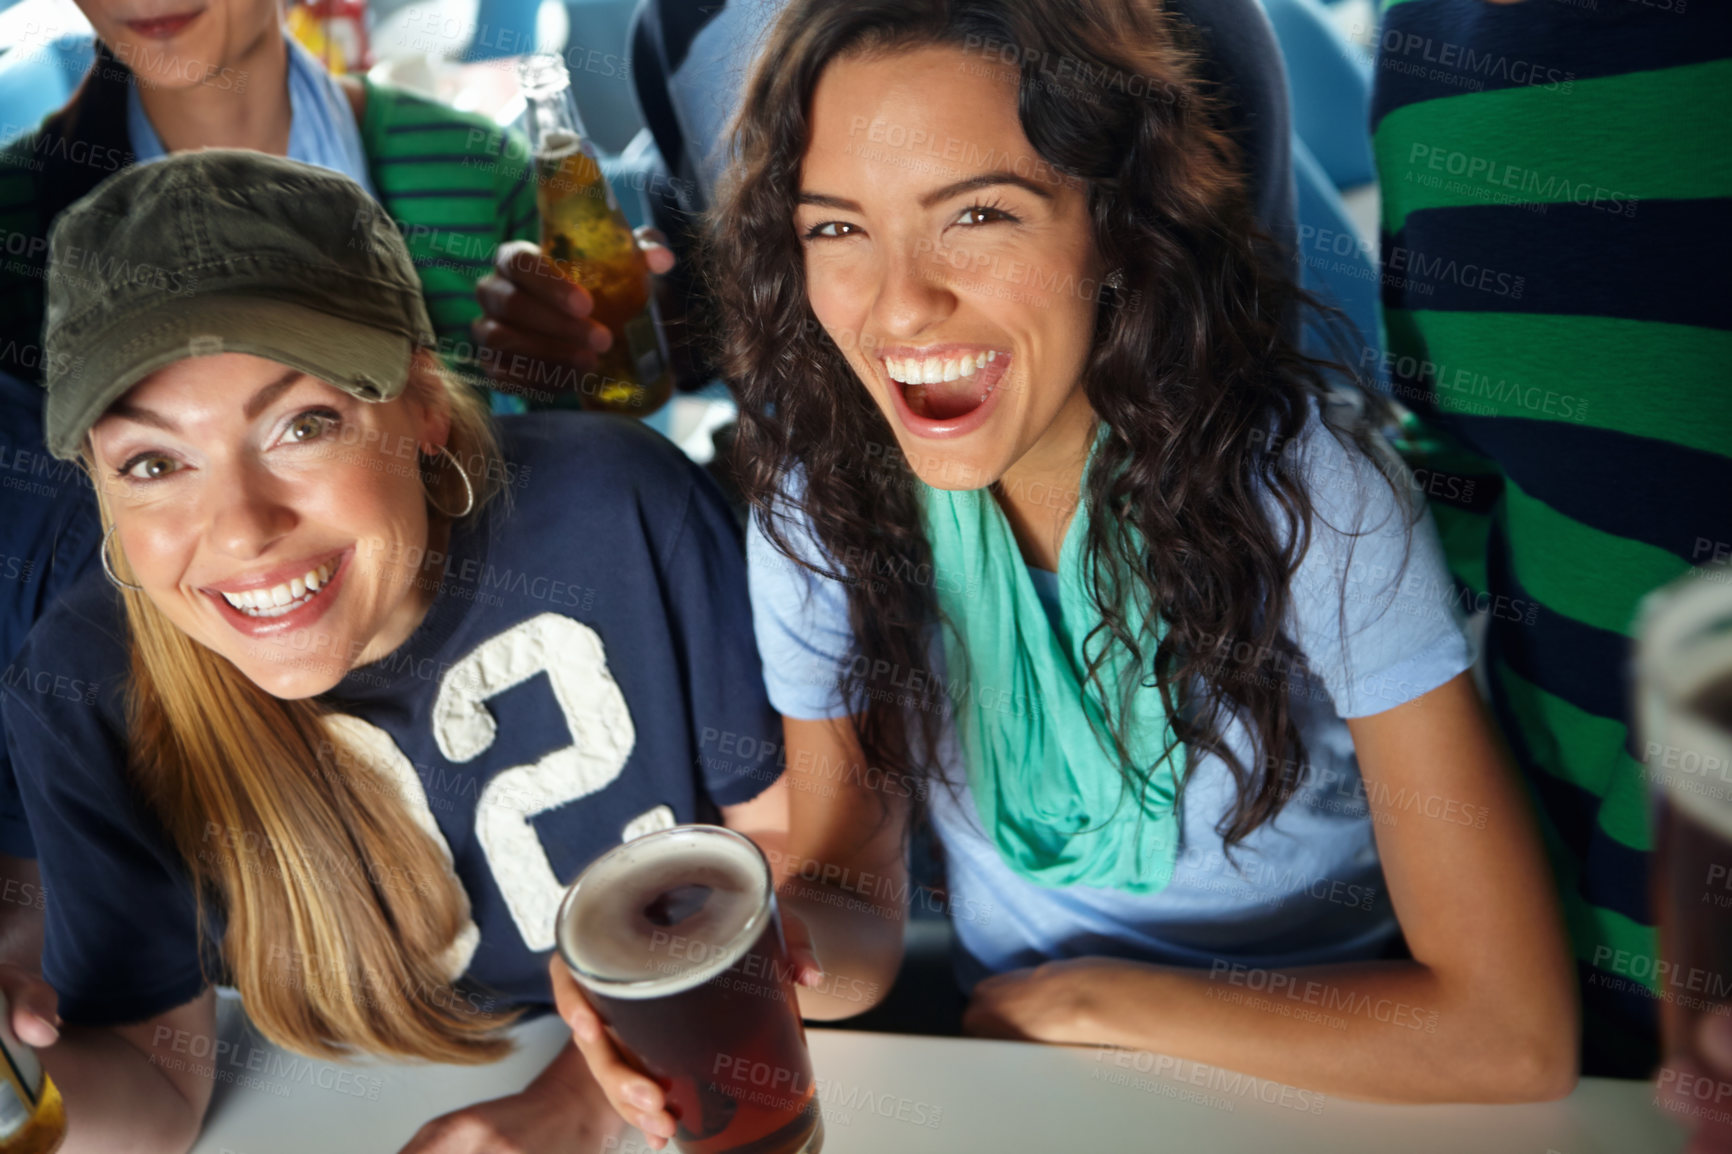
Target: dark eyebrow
{"points": [[822, 201], [984, 180], [262, 399], [973, 183], [142, 416], [255, 405]]}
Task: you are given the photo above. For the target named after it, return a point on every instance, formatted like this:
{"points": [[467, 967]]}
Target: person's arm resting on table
{"points": [[1481, 919]]}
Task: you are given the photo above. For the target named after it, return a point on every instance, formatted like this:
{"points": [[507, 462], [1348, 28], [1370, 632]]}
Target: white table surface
{"points": [[972, 1095]]}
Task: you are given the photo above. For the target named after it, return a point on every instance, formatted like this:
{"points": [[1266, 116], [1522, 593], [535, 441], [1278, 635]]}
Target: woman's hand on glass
{"points": [[638, 1098]]}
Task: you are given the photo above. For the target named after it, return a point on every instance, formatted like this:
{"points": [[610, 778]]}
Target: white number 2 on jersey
{"points": [[602, 737]]}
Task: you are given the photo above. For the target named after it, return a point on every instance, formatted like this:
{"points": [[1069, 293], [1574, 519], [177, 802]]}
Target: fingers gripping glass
{"points": [[677, 942]]}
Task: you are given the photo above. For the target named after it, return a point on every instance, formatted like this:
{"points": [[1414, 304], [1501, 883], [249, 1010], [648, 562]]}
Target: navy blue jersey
{"points": [[587, 672], [48, 537]]}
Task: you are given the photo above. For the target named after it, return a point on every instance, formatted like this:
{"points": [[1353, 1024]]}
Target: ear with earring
{"points": [[462, 475], [102, 511], [108, 566]]}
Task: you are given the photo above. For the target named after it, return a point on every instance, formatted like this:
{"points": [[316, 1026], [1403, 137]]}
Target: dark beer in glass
{"points": [[1684, 679], [677, 942]]}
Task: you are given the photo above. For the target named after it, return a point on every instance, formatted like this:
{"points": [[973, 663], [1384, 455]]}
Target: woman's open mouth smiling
{"points": [[294, 597], [944, 390], [282, 598]]}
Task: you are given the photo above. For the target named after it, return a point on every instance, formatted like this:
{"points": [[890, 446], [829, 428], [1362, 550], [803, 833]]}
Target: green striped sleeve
{"points": [[1600, 937], [442, 174], [1523, 145], [1462, 531], [1584, 750], [1594, 371], [1610, 941], [1602, 593], [516, 185]]}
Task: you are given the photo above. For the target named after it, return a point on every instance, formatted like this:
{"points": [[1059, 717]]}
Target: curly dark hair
{"points": [[1194, 370]]}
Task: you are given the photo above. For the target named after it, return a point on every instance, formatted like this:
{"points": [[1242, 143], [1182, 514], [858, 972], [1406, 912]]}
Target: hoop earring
{"points": [[108, 569], [468, 489]]}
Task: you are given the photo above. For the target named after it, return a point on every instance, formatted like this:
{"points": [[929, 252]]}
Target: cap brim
{"points": [[368, 362]]}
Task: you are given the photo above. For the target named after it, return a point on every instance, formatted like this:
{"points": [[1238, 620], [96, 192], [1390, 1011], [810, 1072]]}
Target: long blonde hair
{"points": [[339, 907]]}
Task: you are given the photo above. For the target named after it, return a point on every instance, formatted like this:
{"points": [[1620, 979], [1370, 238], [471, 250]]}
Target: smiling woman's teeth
{"points": [[281, 599], [934, 370]]}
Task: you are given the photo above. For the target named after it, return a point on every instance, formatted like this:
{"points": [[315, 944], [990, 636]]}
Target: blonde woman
{"points": [[365, 680]]}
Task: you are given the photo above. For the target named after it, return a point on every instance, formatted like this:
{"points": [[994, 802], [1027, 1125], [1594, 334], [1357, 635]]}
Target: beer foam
{"points": [[665, 912]]}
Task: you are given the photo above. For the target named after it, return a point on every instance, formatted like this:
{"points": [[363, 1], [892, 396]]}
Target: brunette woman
{"points": [[1059, 545]]}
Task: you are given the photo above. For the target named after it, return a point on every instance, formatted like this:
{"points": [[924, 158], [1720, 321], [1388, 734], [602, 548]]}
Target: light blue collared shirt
{"points": [[322, 128]]}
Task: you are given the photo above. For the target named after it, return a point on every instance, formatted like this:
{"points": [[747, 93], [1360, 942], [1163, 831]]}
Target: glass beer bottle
{"points": [[32, 1118], [586, 235]]}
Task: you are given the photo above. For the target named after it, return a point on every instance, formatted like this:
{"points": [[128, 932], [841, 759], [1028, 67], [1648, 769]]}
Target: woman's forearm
{"points": [[858, 942], [1393, 1031], [117, 1101], [843, 870], [853, 918], [567, 1074]]}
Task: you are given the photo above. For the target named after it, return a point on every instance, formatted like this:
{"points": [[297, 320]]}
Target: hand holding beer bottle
{"points": [[537, 329], [586, 245]]}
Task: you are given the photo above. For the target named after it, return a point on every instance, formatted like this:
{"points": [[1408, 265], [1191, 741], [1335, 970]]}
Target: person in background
{"points": [[1557, 221], [226, 74], [358, 685], [1059, 541]]}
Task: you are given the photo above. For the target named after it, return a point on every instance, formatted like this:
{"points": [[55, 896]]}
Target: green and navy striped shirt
{"points": [[1557, 240]]}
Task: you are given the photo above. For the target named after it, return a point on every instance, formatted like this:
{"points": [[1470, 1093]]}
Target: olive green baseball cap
{"points": [[224, 251]]}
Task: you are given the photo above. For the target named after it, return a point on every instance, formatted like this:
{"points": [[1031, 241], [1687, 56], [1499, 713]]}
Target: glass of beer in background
{"points": [[1684, 710], [676, 940], [584, 233]]}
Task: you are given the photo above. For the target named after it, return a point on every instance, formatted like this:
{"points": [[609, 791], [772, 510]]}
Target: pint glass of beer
{"points": [[1684, 702], [677, 942]]}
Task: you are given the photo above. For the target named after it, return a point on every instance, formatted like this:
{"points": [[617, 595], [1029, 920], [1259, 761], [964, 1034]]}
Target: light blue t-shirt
{"points": [[1306, 888]]}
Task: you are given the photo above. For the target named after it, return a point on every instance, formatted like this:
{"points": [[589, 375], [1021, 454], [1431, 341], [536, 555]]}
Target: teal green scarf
{"points": [[1039, 761]]}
